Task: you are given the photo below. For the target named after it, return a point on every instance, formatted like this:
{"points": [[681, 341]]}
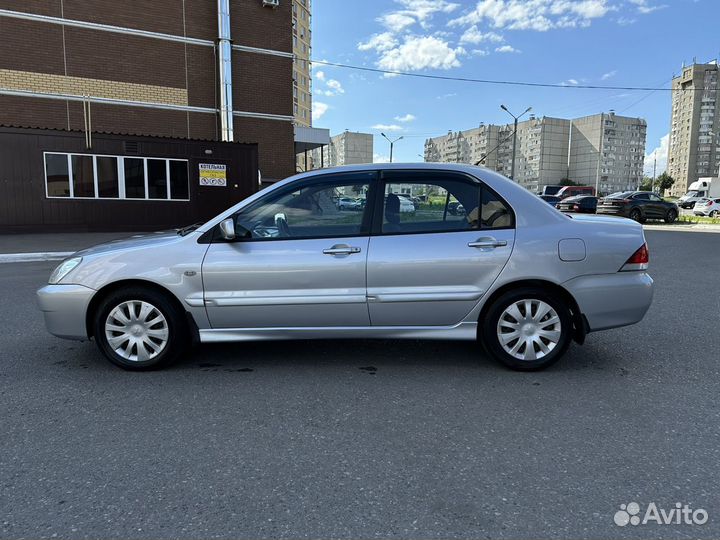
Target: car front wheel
{"points": [[671, 216], [140, 329], [527, 329]]}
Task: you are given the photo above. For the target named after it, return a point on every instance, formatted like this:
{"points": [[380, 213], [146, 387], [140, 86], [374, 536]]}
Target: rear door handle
{"points": [[341, 249], [488, 242]]}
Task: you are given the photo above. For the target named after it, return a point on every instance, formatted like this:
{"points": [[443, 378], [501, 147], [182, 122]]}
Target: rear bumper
{"points": [[64, 308], [610, 211], [612, 300]]}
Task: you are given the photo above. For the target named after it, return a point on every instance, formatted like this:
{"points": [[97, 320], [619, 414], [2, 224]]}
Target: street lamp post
{"points": [[392, 143], [515, 123]]}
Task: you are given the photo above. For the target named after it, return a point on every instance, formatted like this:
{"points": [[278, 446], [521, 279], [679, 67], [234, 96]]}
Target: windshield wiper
{"points": [[188, 229]]}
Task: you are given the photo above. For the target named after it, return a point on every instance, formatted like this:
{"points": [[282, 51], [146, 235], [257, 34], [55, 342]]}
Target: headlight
{"points": [[64, 269]]}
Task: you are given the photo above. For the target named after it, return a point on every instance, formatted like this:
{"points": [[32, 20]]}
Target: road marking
{"points": [[34, 257]]}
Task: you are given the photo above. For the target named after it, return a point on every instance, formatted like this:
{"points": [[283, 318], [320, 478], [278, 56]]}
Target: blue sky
{"points": [[596, 42]]}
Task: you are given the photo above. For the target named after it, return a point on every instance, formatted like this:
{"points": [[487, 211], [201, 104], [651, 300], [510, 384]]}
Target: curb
{"points": [[700, 228], [34, 257]]}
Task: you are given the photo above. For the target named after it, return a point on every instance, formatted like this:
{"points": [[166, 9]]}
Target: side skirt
{"points": [[462, 331]]}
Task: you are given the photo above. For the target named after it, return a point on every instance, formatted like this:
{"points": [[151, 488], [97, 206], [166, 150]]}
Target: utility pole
{"points": [[515, 124], [654, 172], [392, 143]]}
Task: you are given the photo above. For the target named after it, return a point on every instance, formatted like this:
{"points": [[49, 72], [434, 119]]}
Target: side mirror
{"points": [[227, 229]]}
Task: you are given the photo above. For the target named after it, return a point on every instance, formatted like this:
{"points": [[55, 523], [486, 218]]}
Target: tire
{"points": [[671, 216], [509, 311], [146, 330], [713, 214], [636, 215]]}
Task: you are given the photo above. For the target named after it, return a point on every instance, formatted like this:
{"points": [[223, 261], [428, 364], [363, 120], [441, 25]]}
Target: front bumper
{"points": [[64, 308], [612, 300]]}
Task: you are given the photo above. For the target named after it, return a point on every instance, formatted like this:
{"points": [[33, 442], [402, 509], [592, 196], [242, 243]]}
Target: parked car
{"points": [[583, 204], [455, 208], [703, 188], [707, 207], [406, 205], [550, 199], [550, 190], [511, 271], [572, 191], [639, 206], [347, 203]]}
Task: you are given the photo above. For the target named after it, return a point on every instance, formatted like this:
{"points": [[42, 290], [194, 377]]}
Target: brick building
{"points": [[201, 74]]}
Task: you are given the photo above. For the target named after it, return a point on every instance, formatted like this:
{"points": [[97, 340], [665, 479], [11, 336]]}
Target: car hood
{"points": [[133, 242]]}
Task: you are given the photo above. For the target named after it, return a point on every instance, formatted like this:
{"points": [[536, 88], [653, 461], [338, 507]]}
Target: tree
{"points": [[646, 184], [568, 182], [663, 182]]}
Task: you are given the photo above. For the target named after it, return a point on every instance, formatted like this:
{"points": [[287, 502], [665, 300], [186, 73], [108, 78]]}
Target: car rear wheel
{"points": [[671, 216], [527, 329], [713, 214], [140, 329], [636, 215]]}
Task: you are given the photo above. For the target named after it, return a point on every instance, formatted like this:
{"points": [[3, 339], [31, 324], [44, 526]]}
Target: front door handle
{"points": [[341, 249], [487, 242]]}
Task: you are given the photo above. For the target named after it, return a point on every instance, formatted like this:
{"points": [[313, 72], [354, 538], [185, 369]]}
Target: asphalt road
{"points": [[365, 439]]}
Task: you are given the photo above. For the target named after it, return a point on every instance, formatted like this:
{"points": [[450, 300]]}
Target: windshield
{"points": [[691, 194], [620, 195]]}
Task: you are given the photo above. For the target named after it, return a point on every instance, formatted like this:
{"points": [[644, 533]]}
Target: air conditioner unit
{"points": [[271, 3]]}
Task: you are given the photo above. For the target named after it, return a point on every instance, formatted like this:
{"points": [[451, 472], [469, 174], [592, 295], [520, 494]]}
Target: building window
{"points": [[115, 177]]}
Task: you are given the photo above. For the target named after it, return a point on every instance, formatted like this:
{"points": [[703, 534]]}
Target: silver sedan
{"points": [[511, 271]]}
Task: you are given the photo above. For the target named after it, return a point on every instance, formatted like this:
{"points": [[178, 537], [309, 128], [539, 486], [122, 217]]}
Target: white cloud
{"points": [[644, 7], [405, 118], [661, 153], [420, 52], [387, 127], [570, 82], [414, 11], [320, 75], [319, 109], [540, 15], [609, 75], [379, 42], [380, 158], [335, 86], [480, 52], [474, 35], [507, 49]]}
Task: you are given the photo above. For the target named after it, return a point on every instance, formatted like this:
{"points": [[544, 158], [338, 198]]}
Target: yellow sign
{"points": [[213, 175]]}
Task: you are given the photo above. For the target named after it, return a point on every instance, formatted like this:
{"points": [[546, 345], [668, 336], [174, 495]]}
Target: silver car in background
{"points": [[509, 270]]}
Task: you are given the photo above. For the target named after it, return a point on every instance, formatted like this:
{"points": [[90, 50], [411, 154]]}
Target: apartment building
{"points": [[164, 90], [607, 151], [302, 49], [603, 150], [694, 149], [347, 148]]}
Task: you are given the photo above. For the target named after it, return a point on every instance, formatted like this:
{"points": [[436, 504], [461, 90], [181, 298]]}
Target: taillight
{"points": [[638, 260], [576, 207]]}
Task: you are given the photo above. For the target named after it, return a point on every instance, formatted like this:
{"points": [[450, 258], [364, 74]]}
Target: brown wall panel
{"points": [[275, 140], [39, 7], [203, 126], [201, 19], [119, 57], [31, 46], [163, 16], [262, 83], [132, 120], [257, 26], [202, 88], [33, 112]]}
